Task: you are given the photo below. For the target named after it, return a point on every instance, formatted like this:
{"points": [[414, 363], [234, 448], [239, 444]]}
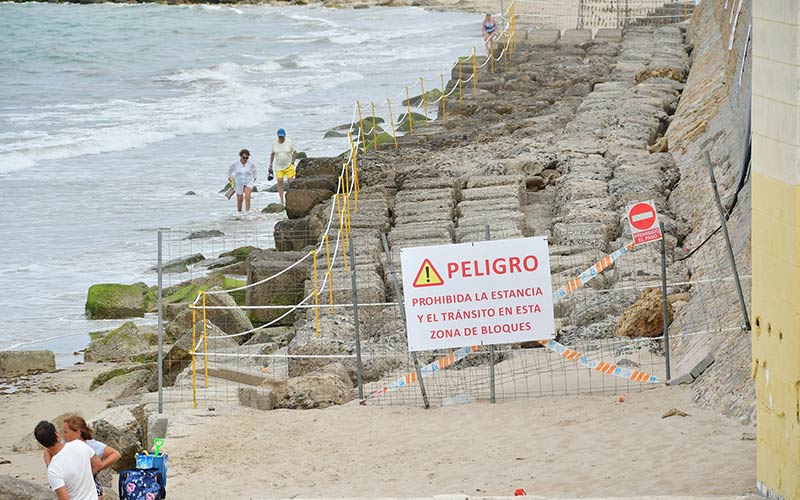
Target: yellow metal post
{"points": [[316, 294], [444, 99], [491, 59], [329, 277], [374, 136], [355, 188], [424, 100], [354, 154], [194, 361], [361, 127], [205, 337], [391, 121], [347, 218], [408, 115], [340, 209], [346, 180], [460, 80], [474, 72]]}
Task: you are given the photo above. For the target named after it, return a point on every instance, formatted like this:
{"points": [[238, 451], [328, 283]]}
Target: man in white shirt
{"points": [[284, 155], [73, 466]]}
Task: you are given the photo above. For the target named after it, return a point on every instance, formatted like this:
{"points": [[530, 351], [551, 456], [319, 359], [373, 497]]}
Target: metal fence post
{"points": [[664, 302], [491, 348], [724, 225], [580, 15], [359, 368], [403, 315], [160, 327]]}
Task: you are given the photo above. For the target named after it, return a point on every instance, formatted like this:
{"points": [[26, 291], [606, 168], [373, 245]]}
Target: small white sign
{"points": [[480, 293], [643, 220]]}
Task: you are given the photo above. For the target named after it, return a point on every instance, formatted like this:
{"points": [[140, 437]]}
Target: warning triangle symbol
{"points": [[427, 275]]}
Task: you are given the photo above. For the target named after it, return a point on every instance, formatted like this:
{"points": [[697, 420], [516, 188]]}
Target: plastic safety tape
{"points": [[589, 274], [439, 364], [600, 366], [564, 351]]}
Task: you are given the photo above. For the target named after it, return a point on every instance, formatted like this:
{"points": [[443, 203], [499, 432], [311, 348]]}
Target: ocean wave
{"points": [[313, 20], [226, 72], [123, 127], [352, 38]]}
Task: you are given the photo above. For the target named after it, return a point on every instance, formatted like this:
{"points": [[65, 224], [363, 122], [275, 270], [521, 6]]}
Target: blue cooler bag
{"points": [[141, 484], [148, 461]]}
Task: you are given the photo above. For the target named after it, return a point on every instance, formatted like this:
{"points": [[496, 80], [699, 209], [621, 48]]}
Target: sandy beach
{"points": [[583, 446]]}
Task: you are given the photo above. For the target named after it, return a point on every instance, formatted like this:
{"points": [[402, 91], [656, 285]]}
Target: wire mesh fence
{"points": [[273, 325], [594, 14]]}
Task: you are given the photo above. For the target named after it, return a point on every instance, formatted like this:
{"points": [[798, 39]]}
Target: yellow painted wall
{"points": [[776, 343], [776, 245]]}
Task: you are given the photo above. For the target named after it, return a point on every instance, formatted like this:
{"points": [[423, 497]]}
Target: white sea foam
{"points": [[219, 99], [175, 98], [313, 20]]}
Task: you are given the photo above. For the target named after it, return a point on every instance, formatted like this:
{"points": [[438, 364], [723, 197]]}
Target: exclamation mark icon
{"points": [[427, 274]]}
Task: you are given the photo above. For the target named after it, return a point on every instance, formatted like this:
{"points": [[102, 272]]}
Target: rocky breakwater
{"points": [[557, 142], [713, 116]]}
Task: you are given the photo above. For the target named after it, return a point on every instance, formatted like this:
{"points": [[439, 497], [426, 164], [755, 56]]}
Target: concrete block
{"points": [[424, 195], [160, 427], [702, 365], [609, 34], [543, 37], [257, 398], [509, 191], [493, 180], [686, 378], [16, 363], [575, 37]]}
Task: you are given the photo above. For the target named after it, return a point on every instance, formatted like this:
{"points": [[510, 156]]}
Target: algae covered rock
{"points": [[115, 301], [416, 120], [381, 138], [240, 253], [287, 288], [181, 264], [430, 97], [126, 384], [273, 208], [121, 344]]}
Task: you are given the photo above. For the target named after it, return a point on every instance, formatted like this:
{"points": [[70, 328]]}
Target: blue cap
{"points": [[281, 132]]}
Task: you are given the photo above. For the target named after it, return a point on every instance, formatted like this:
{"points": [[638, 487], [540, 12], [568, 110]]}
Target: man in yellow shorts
{"points": [[284, 155]]}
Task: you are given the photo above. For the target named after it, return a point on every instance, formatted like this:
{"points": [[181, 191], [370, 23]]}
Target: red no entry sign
{"points": [[642, 216], [643, 220]]}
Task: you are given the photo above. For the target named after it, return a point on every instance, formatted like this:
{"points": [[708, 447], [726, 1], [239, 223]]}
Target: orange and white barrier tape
{"points": [[562, 350], [439, 364], [589, 274], [600, 366]]}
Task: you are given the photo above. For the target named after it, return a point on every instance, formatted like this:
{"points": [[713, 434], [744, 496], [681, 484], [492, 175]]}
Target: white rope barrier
{"points": [[346, 165]]}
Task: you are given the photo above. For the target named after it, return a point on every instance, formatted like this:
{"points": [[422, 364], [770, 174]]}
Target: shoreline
{"points": [[475, 6], [69, 356], [396, 450]]}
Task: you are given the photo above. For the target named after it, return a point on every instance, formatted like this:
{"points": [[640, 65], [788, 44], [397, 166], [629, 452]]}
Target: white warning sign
{"points": [[481, 293]]}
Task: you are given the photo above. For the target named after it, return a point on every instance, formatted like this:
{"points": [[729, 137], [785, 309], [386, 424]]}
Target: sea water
{"points": [[110, 113]]}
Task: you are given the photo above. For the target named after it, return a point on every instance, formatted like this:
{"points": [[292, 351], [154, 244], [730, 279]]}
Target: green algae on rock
{"points": [[115, 301], [121, 344]]}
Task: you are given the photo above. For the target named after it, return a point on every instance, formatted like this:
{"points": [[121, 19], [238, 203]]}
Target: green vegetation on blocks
{"points": [[239, 296]]}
